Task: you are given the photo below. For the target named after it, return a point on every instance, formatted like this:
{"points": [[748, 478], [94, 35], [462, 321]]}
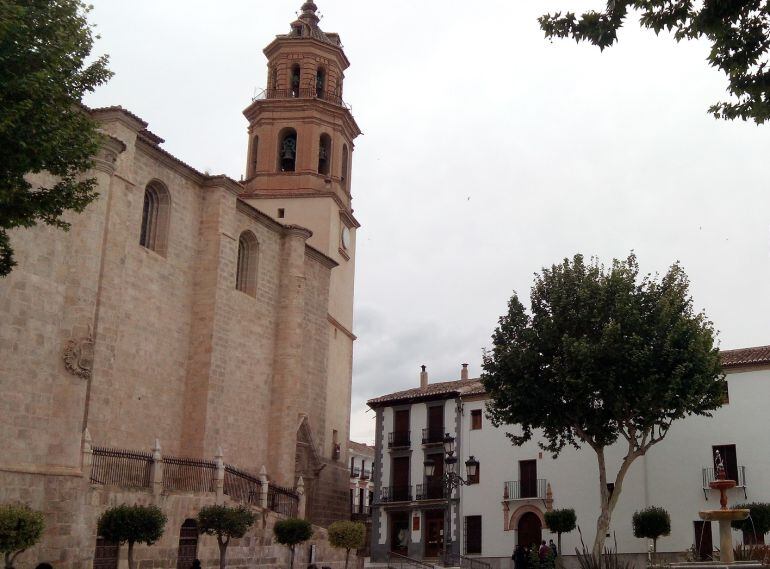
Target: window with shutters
{"points": [[476, 419], [472, 535]]}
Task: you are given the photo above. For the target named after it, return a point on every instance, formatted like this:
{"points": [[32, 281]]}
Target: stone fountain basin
{"points": [[724, 515]]}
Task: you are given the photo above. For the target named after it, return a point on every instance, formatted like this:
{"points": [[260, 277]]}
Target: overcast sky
{"points": [[488, 152]]}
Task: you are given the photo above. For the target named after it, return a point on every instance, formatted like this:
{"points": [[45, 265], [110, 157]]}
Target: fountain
{"points": [[724, 515]]}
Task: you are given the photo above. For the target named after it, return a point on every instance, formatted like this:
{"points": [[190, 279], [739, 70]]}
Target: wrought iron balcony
{"points": [[529, 490], [433, 490], [709, 475], [433, 435], [304, 93], [396, 494], [398, 439]]}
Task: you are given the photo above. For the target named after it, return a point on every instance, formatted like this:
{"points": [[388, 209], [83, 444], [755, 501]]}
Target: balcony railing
{"points": [[366, 474], [360, 510], [433, 435], [304, 93], [529, 490], [431, 491], [709, 476], [399, 439], [396, 494], [355, 472]]}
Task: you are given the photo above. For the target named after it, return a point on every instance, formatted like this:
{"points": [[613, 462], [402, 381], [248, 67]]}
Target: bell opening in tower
{"points": [[287, 152], [320, 80], [324, 152], [295, 80]]}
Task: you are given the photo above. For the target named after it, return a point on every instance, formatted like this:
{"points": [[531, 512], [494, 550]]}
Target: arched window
{"points": [[295, 77], [188, 544], [287, 150], [344, 166], [246, 271], [324, 154], [273, 79], [320, 82], [155, 214], [254, 154]]}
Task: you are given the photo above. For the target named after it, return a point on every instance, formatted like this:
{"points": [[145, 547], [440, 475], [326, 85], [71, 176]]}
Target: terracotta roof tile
{"points": [[361, 448], [759, 355], [743, 357]]}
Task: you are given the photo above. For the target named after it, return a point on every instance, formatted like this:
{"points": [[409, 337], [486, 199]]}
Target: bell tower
{"points": [[298, 171]]}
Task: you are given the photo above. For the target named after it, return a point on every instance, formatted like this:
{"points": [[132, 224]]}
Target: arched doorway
{"points": [[188, 544], [530, 529]]}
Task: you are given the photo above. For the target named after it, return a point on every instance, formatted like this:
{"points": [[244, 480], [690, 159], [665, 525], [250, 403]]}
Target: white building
{"points": [[361, 485], [514, 486]]}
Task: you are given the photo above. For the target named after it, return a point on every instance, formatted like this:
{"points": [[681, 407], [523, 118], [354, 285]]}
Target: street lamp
{"points": [[450, 478]]}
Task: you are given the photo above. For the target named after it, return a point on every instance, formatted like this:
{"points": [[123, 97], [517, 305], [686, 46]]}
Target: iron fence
{"points": [[433, 435], [396, 494], [709, 475], [282, 500], [528, 489], [399, 439], [242, 486], [434, 490], [121, 467], [304, 93], [454, 560], [188, 474], [397, 561]]}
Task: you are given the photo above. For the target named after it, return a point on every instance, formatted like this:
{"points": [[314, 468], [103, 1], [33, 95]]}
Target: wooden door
{"points": [[435, 484], [434, 533], [530, 530], [400, 478], [435, 424], [401, 428], [528, 478], [703, 543]]}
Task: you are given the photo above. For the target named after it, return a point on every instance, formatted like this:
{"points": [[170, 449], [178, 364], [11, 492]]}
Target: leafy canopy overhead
{"points": [[225, 522], [739, 33], [20, 528], [603, 355], [132, 524], [651, 523], [44, 45]]}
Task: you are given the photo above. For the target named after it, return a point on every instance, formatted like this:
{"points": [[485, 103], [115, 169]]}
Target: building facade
{"points": [[193, 309], [513, 487], [361, 484]]}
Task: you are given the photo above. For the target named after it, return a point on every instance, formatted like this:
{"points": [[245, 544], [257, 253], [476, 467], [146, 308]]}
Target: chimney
{"points": [[423, 377], [464, 372]]}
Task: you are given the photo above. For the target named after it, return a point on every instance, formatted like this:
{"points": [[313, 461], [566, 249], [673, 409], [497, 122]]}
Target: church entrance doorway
{"points": [[530, 530]]}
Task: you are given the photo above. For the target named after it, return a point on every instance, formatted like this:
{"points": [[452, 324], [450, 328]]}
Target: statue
{"points": [[719, 466]]}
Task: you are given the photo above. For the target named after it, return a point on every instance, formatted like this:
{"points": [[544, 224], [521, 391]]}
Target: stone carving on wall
{"points": [[79, 356]]}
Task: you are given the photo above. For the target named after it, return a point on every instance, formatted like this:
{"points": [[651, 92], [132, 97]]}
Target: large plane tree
{"points": [[603, 356]]}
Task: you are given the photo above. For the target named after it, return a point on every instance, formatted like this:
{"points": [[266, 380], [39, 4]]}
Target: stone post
{"points": [[302, 506], [264, 489], [88, 455], [219, 478], [156, 474]]}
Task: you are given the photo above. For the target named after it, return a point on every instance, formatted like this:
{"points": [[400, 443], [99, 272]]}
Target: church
{"points": [[193, 314]]}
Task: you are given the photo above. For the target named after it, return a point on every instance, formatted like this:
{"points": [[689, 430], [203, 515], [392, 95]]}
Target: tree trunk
{"points": [[655, 545], [291, 565], [8, 561], [347, 554], [222, 551], [130, 555], [558, 559]]}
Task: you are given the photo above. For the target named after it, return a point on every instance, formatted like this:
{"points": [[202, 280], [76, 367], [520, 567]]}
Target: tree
{"points": [[561, 521], [132, 524], [44, 45], [347, 535], [20, 529], [603, 356], [759, 521], [739, 33], [291, 532], [651, 523], [226, 523]]}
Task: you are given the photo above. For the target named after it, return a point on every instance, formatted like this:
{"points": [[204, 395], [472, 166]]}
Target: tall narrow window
{"points": [[287, 150], [344, 165], [320, 83], [254, 154], [475, 419], [472, 534], [155, 213], [295, 80], [324, 154], [246, 271]]}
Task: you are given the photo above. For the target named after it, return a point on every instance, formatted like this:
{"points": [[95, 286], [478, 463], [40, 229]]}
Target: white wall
{"points": [[669, 476]]}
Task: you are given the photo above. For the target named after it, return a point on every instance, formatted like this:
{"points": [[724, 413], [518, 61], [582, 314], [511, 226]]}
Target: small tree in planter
{"points": [[759, 521], [652, 523], [559, 522], [20, 529], [132, 524], [225, 523], [292, 532], [347, 535]]}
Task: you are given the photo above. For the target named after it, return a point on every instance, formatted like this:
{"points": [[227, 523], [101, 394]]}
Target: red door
{"points": [[530, 530]]}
